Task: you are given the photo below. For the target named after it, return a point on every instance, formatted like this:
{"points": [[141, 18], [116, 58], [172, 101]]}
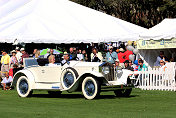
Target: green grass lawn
{"points": [[141, 104]]}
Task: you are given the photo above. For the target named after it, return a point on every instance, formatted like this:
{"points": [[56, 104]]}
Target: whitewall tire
{"points": [[23, 87], [68, 78], [90, 88]]}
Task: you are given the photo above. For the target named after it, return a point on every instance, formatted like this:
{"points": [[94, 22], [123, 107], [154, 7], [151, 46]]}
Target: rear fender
{"points": [[26, 73]]}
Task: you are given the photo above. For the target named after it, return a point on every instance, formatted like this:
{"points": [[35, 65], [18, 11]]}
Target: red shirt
{"points": [[11, 72], [25, 55], [127, 53], [121, 57]]}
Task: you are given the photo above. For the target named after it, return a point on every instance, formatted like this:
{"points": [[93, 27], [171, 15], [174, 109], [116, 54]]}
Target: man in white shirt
{"points": [[18, 54], [80, 56], [6, 82]]}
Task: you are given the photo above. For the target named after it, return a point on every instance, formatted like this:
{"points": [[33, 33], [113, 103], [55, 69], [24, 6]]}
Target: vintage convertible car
{"points": [[89, 77]]}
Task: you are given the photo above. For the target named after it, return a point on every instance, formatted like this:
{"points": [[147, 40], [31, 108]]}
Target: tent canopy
{"points": [[164, 30], [60, 21]]}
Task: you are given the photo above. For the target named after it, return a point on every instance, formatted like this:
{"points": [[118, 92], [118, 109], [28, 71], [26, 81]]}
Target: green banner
{"points": [[156, 44]]}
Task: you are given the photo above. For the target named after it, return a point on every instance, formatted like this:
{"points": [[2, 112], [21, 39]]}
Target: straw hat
{"points": [[13, 51], [121, 50], [65, 53], [22, 49]]}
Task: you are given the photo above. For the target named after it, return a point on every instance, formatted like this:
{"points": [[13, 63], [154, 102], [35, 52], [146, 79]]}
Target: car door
{"points": [[51, 74], [47, 74], [38, 73]]}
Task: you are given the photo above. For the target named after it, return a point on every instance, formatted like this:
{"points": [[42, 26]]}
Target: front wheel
{"points": [[23, 87], [90, 88], [123, 92]]}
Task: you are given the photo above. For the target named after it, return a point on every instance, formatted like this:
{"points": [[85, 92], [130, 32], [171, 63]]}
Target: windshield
{"points": [[30, 62]]}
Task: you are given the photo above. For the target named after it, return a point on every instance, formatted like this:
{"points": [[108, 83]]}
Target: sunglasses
{"points": [[161, 62]]}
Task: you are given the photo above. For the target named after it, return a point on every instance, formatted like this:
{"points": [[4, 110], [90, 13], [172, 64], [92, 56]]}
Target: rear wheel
{"points": [[123, 92], [23, 87], [90, 88]]}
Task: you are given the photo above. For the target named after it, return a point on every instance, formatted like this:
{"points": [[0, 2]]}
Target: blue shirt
{"points": [[111, 57], [157, 63]]}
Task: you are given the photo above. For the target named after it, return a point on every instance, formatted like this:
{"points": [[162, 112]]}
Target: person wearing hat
{"points": [[121, 55], [111, 56], [18, 54], [24, 55], [5, 59], [117, 64], [65, 59], [13, 59]]}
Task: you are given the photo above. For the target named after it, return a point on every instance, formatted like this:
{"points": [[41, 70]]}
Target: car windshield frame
{"points": [[30, 62]]}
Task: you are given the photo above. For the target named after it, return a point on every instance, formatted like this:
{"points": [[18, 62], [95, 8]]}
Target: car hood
{"points": [[84, 64]]}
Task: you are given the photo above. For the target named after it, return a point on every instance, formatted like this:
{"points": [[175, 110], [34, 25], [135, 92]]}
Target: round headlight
{"points": [[105, 70]]}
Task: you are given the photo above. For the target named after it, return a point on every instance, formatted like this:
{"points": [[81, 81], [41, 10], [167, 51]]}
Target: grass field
{"points": [[141, 104]]}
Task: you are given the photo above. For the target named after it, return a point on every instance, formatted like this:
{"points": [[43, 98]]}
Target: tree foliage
{"points": [[145, 13]]}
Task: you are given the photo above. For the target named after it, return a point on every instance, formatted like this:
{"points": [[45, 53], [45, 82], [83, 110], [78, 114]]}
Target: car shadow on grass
{"points": [[114, 97], [68, 96], [78, 96]]}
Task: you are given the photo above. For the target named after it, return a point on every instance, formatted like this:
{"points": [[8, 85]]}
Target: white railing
{"points": [[155, 79]]}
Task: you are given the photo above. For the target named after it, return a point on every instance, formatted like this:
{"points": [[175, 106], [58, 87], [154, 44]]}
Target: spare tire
{"points": [[68, 77]]}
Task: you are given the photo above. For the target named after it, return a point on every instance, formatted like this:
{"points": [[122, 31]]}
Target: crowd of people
{"points": [[119, 58]]}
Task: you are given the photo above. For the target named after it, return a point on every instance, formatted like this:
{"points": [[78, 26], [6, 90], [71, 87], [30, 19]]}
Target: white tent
{"points": [[164, 37], [164, 30], [60, 21]]}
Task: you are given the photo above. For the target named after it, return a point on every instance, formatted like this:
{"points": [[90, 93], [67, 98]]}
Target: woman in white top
{"points": [[51, 60], [96, 56], [163, 65]]}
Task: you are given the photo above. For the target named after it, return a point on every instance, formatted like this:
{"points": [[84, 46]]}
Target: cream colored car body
{"points": [[50, 78]]}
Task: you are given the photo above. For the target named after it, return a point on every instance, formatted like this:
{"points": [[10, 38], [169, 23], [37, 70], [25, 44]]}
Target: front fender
{"points": [[26, 73], [79, 80]]}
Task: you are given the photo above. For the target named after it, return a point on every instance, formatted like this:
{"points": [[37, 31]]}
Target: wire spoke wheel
{"points": [[23, 87], [90, 88], [68, 79]]}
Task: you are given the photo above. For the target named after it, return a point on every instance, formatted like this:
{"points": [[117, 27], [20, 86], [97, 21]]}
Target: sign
{"points": [[156, 44]]}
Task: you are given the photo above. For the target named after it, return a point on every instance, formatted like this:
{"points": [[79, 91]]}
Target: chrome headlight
{"points": [[105, 70]]}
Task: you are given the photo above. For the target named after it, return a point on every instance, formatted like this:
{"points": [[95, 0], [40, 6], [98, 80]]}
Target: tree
{"points": [[145, 13]]}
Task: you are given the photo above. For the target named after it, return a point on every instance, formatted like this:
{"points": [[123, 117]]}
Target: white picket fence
{"points": [[154, 79]]}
